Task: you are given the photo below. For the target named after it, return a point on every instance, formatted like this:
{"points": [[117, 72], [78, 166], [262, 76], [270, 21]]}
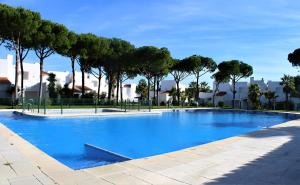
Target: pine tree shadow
{"points": [[278, 167]]}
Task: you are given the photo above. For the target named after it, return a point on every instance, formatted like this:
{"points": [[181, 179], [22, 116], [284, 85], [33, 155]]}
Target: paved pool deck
{"points": [[266, 157]]}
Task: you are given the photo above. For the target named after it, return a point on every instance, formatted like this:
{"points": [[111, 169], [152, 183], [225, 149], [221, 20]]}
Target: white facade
{"points": [[31, 71], [167, 85], [7, 68], [128, 92], [242, 91], [32, 79], [90, 81], [277, 88]]}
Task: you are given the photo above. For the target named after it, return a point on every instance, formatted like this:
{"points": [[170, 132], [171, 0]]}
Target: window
{"points": [[95, 83], [26, 75]]}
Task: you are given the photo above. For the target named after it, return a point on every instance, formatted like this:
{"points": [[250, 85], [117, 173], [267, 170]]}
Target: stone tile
{"points": [[24, 180], [186, 173], [12, 155], [45, 180], [155, 163], [71, 177], [148, 176], [106, 170], [98, 181], [24, 168], [124, 179], [6, 171], [4, 182]]}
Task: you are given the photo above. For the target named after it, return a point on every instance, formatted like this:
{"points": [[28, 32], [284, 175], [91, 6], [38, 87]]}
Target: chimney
{"points": [[251, 80], [10, 58]]}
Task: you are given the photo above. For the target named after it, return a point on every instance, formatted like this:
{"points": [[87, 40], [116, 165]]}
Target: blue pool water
{"points": [[134, 136]]}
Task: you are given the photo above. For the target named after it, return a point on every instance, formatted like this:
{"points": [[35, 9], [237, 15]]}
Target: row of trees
{"points": [[289, 88], [22, 30]]}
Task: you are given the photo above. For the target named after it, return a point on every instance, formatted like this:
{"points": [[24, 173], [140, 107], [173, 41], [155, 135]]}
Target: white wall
{"points": [[7, 68], [167, 85], [61, 77], [129, 92], [90, 81]]}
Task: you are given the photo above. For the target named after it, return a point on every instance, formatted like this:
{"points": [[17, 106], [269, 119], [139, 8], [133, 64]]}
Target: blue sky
{"points": [[258, 32]]}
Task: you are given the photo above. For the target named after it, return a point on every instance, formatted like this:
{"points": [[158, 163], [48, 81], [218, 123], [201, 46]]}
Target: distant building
{"points": [[225, 92], [128, 92], [167, 85]]}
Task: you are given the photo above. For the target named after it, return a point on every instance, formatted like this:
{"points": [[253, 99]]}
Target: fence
{"points": [[64, 104]]}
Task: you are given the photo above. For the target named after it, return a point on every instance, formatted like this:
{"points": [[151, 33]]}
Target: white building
{"points": [[31, 71], [226, 95], [128, 92], [32, 79], [167, 85]]}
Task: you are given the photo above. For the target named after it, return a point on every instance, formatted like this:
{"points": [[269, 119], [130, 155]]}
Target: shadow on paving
{"points": [[278, 167]]}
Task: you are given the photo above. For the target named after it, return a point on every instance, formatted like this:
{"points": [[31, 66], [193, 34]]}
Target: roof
{"points": [[78, 88], [127, 85], [221, 93], [4, 80], [44, 73]]}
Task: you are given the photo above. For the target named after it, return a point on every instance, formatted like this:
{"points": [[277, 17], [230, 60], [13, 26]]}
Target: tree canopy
{"points": [[199, 66], [235, 70], [49, 38], [150, 60], [179, 70], [18, 25], [294, 57], [254, 95], [288, 83]]}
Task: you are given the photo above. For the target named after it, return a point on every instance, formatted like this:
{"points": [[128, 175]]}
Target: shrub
{"points": [[281, 106], [221, 104]]}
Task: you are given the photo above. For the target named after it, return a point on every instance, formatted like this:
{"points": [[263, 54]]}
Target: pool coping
{"points": [[48, 164]]}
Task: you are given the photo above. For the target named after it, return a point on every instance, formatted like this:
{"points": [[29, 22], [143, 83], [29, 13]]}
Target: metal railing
{"points": [[63, 105]]}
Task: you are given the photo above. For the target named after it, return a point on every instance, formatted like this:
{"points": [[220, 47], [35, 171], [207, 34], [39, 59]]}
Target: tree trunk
{"points": [[121, 90], [286, 101], [118, 86], [178, 91], [148, 95], [109, 87], [197, 88], [22, 81], [233, 93], [157, 89], [99, 83], [41, 80], [82, 83], [214, 95], [73, 75], [17, 74], [154, 88]]}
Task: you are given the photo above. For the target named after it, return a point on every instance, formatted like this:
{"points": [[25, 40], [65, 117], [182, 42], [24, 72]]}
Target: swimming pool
{"points": [[133, 137]]}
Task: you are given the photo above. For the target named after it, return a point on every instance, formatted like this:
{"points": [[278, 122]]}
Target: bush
{"points": [[193, 103], [162, 103], [221, 104], [175, 102], [281, 106]]}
